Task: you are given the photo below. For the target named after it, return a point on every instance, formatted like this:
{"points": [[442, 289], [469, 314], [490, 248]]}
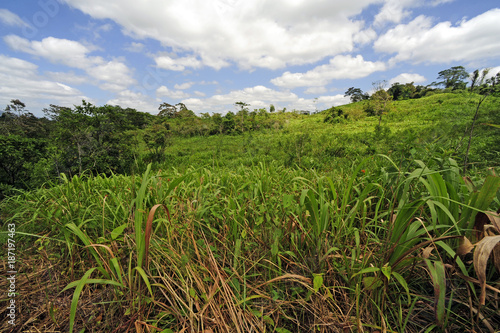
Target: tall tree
{"points": [[242, 113], [356, 94], [167, 110], [453, 78]]}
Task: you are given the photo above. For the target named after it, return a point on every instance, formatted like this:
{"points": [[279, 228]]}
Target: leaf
{"points": [[118, 231], [465, 246], [438, 277], [367, 270], [76, 296], [317, 282], [149, 229], [426, 253], [386, 270], [481, 255], [372, 282], [145, 279]]}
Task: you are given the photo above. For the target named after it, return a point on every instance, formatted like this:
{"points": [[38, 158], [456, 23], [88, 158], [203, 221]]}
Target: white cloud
{"points": [[340, 67], [174, 94], [135, 100], [185, 85], [56, 50], [395, 11], [177, 64], [114, 72], [315, 90], [21, 80], [68, 77], [419, 41], [404, 78], [267, 34], [114, 75], [261, 97], [9, 18], [135, 47]]}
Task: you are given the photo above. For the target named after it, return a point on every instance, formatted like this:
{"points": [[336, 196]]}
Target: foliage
{"points": [[356, 95], [400, 91], [334, 115], [453, 78], [380, 103]]}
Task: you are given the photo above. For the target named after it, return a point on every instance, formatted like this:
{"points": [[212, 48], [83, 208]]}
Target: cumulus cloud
{"points": [[315, 90], [56, 50], [404, 78], [20, 79], [185, 85], [68, 77], [261, 97], [395, 11], [177, 64], [174, 94], [135, 47], [340, 67], [270, 34], [114, 75], [135, 100], [9, 18], [112, 72], [419, 41]]}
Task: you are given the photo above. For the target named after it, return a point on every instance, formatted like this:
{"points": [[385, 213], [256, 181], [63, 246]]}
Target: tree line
{"points": [[104, 139]]}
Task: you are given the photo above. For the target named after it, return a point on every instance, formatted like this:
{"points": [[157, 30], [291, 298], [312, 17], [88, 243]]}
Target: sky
{"points": [[210, 54]]}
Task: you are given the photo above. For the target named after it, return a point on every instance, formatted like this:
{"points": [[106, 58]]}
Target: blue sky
{"points": [[209, 54]]}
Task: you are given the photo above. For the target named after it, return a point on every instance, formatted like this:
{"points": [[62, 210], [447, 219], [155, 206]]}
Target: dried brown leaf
{"points": [[465, 246], [494, 219], [481, 256], [426, 253]]}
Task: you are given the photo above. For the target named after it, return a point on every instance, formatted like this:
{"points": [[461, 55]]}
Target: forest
{"points": [[381, 215]]}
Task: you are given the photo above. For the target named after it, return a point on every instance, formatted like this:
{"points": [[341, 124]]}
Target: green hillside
{"points": [[278, 222]]}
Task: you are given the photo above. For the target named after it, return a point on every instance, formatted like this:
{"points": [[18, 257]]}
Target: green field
{"points": [[299, 225]]}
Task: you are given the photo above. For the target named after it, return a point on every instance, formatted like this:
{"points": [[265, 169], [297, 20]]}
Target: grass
{"points": [[300, 229]]}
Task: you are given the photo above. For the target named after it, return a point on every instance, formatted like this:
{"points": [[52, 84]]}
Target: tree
{"points": [[167, 110], [271, 108], [91, 138], [400, 91], [356, 94], [157, 139], [453, 78], [380, 101], [243, 112]]}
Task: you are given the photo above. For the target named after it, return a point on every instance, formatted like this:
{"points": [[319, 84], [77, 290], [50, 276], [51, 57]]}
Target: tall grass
{"points": [[269, 248]]}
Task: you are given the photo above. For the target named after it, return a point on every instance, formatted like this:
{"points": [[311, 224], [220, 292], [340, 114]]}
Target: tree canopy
{"points": [[453, 78]]}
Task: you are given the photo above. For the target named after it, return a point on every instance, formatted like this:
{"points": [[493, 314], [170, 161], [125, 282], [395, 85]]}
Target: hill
{"points": [[281, 223]]}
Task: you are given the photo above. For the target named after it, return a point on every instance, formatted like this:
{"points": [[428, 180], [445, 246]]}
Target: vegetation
{"points": [[257, 221]]}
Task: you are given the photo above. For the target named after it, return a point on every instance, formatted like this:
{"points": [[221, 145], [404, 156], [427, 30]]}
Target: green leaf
{"points": [[76, 296], [317, 282], [118, 231], [145, 279], [386, 270], [367, 270]]}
